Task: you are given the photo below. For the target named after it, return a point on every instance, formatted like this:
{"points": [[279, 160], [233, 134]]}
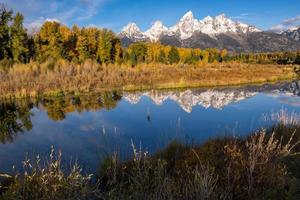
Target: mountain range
{"points": [[218, 98], [213, 32]]}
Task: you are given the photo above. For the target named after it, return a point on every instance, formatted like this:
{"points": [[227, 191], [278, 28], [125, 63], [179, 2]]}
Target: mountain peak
{"points": [[156, 30], [208, 19], [132, 31], [293, 32], [221, 16], [187, 26], [188, 16], [131, 27], [294, 28], [157, 24]]}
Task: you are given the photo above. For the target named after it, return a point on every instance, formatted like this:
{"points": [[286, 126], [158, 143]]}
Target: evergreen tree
{"points": [[297, 60], [138, 52], [68, 43], [173, 56], [5, 18], [50, 41], [104, 46], [133, 59], [116, 51], [223, 55], [20, 42], [82, 47], [161, 56], [92, 35], [125, 56]]}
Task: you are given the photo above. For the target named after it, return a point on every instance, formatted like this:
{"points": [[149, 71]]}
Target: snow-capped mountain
{"points": [[187, 26], [156, 31], [293, 33], [213, 98], [133, 31], [212, 32], [188, 99]]}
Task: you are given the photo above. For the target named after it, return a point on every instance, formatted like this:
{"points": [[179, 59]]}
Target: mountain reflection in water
{"points": [[92, 126]]}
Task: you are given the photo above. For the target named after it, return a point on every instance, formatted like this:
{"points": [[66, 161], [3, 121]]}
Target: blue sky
{"points": [[114, 14]]}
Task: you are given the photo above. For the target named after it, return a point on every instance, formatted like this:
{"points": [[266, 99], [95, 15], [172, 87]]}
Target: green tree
{"points": [[19, 40], [5, 18], [297, 60], [81, 46], [223, 55], [50, 41], [92, 35], [133, 59], [105, 46], [116, 51], [173, 56], [161, 56], [138, 53]]}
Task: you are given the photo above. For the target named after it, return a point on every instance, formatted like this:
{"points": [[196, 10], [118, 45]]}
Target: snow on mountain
{"points": [[216, 99], [188, 99], [133, 31], [293, 32], [187, 26], [156, 31]]}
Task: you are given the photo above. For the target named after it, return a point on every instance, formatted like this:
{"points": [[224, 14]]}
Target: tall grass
{"points": [[55, 76], [231, 168], [283, 117], [48, 181]]}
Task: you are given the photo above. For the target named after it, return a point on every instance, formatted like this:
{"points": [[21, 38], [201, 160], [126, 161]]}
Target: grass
{"points": [[264, 165], [53, 78]]}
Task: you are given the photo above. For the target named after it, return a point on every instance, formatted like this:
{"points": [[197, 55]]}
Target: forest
{"points": [[58, 58], [57, 41]]}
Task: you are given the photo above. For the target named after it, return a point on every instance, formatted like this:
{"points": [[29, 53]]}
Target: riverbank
{"points": [[265, 164], [51, 79]]}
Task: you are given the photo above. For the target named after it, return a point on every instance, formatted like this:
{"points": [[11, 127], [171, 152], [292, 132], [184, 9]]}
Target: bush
{"points": [[48, 182]]}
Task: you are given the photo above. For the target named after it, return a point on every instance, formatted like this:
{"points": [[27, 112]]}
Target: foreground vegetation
{"points": [[264, 165], [58, 58]]}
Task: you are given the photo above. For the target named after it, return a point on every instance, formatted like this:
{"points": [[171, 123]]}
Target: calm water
{"points": [[89, 128]]}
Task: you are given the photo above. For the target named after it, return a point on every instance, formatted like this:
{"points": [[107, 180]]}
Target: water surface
{"points": [[89, 128]]}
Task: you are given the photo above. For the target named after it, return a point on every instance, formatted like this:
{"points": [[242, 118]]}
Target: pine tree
{"points": [[173, 56], [82, 47], [297, 60], [116, 51], [50, 42], [68, 43], [162, 56], [5, 18], [133, 59], [223, 55], [104, 46], [138, 52], [19, 41]]}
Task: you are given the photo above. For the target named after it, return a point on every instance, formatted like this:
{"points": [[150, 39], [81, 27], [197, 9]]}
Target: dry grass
{"points": [[52, 77], [283, 118], [245, 169], [286, 119], [49, 182]]}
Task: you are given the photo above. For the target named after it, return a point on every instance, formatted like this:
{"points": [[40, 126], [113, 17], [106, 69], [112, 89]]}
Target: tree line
{"points": [[57, 41]]}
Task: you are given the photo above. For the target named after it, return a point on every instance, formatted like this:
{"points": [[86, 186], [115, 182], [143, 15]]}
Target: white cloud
{"points": [[286, 24], [91, 8], [35, 26], [67, 11]]}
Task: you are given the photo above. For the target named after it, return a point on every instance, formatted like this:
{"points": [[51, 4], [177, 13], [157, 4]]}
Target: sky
{"points": [[115, 14]]}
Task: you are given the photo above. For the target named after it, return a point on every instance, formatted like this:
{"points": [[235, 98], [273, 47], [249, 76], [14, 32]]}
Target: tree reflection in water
{"points": [[15, 117], [15, 114]]}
